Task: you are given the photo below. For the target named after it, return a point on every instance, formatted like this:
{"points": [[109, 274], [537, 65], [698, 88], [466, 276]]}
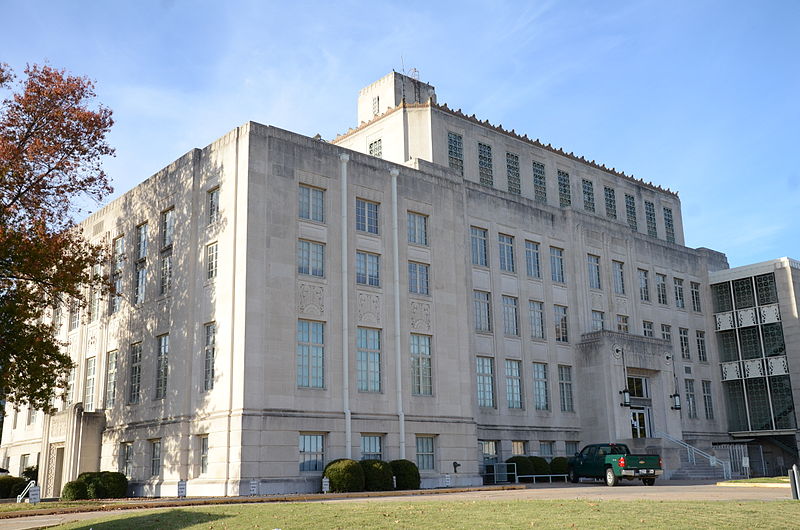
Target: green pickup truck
{"points": [[613, 462]]}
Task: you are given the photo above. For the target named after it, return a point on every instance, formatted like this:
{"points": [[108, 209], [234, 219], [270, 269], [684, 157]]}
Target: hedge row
{"points": [[96, 485], [371, 475], [536, 465], [10, 486]]}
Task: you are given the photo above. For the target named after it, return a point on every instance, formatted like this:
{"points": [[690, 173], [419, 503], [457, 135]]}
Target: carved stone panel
{"points": [[778, 365], [420, 316], [746, 317], [310, 299], [769, 314], [724, 321], [753, 368], [731, 370], [369, 309]]}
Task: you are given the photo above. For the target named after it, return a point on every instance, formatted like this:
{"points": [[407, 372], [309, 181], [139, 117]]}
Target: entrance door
{"points": [[639, 426]]}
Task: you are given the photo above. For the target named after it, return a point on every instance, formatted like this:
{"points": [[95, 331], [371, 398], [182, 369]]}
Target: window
{"points": [[417, 278], [679, 302], [211, 260], [630, 212], [88, 390], [210, 353], [366, 216], [518, 447], [425, 453], [532, 264], [69, 395], [565, 388], [94, 296], [594, 271], [694, 287], [765, 289], [368, 269], [647, 328], [421, 366], [721, 297], [166, 272], [514, 383], [666, 332], [485, 382], [691, 404], [650, 217], [557, 264], [483, 315], [203, 454], [683, 337], [23, 462], [588, 195], [571, 448], [598, 321], [368, 359], [111, 378], [376, 148], [619, 277], [512, 173], [564, 191], [311, 203], [311, 258], [117, 264], [417, 228], [489, 451], [74, 315], [140, 281], [622, 324], [539, 183], [162, 366], [661, 288], [743, 293], [371, 447], [644, 285], [479, 250], [506, 246], [32, 416], [560, 322], [611, 205], [485, 164], [167, 227], [510, 316], [541, 393], [546, 449], [639, 387], [536, 314], [310, 354], [312, 452], [141, 241], [155, 458], [455, 152], [708, 403], [376, 105], [212, 200], [700, 336], [126, 459], [669, 225], [135, 388]]}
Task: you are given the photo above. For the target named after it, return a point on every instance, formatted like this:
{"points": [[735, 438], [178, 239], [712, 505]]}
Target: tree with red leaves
{"points": [[52, 142]]}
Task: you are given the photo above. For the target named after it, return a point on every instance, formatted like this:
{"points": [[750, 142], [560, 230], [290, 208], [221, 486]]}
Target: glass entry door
{"points": [[639, 423]]}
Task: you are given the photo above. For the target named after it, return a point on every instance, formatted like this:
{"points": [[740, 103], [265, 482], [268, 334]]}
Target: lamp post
{"points": [[675, 396], [625, 393]]}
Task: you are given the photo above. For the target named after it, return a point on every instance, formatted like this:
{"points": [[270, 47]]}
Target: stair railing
{"points": [[21, 496], [693, 452]]}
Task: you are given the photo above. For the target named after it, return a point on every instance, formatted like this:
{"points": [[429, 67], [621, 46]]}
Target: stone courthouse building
{"points": [[425, 286]]}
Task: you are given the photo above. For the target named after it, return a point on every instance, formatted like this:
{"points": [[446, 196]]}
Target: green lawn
{"points": [[14, 507], [762, 480], [465, 514]]}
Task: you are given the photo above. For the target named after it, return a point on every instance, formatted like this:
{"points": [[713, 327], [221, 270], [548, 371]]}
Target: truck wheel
{"points": [[611, 478], [573, 477], [648, 481]]}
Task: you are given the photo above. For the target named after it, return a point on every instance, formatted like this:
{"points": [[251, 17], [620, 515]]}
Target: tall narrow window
{"points": [[539, 183], [708, 402], [126, 459], [598, 320], [644, 285], [683, 337], [311, 258], [622, 324], [417, 228], [650, 217], [162, 366], [212, 200], [425, 453], [564, 191], [536, 314], [210, 353], [455, 152], [366, 216], [74, 315], [691, 403], [140, 281], [117, 264], [661, 288], [311, 203], [485, 382], [69, 396], [166, 272], [630, 212], [593, 263], [421, 366], [88, 391], [669, 225], [135, 380], [368, 359], [512, 173], [506, 247], [557, 264], [532, 263], [167, 227], [565, 388], [619, 277], [155, 458], [514, 383], [679, 301], [211, 260], [510, 316], [695, 290], [541, 392], [483, 315], [700, 337], [485, 164], [376, 148], [666, 332], [588, 195], [310, 354], [111, 378], [417, 278], [203, 454], [312, 452], [611, 202], [368, 269], [371, 447], [647, 328], [560, 321], [141, 241], [480, 255], [94, 296]]}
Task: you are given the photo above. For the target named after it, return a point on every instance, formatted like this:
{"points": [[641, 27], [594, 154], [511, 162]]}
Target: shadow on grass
{"points": [[161, 520]]}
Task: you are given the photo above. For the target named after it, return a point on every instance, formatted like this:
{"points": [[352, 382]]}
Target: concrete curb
{"points": [[753, 485]]}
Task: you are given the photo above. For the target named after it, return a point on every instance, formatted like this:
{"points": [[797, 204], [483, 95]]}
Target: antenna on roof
{"points": [[413, 73]]}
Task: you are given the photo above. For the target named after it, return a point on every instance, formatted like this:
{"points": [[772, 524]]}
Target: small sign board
{"points": [[253, 488], [34, 495], [447, 480], [745, 461], [181, 488], [326, 485]]}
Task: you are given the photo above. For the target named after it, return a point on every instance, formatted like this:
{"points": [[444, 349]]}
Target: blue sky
{"points": [[701, 97]]}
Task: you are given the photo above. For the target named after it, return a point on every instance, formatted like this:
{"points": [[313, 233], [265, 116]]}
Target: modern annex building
{"points": [[426, 286]]}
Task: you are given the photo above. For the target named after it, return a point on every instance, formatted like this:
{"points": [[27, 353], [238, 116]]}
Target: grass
{"points": [[762, 480], [463, 514], [23, 506]]}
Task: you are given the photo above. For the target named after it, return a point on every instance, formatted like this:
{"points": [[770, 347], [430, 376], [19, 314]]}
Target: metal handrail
{"points": [[692, 451], [21, 496]]}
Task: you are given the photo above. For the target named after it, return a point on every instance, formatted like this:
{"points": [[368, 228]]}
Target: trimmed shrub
{"points": [[540, 465], [74, 491], [524, 467], [104, 484], [8, 484], [19, 487], [559, 465], [31, 473], [407, 474], [329, 464], [377, 475], [345, 475]]}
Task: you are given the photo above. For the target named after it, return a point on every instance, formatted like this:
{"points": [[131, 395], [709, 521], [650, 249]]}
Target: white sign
{"points": [[34, 495], [326, 485], [253, 488], [181, 488], [745, 461], [447, 480]]}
